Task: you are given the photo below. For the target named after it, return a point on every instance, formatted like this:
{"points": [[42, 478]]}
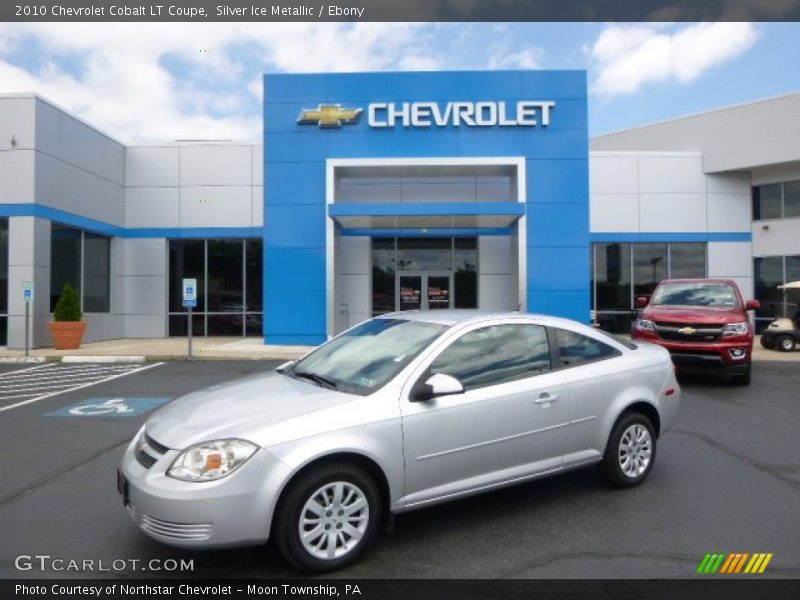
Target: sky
{"points": [[157, 82]]}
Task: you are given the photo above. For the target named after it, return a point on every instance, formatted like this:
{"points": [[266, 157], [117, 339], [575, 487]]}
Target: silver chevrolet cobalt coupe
{"points": [[397, 413]]}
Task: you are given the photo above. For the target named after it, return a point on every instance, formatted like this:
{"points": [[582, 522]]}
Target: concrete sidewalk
{"points": [[152, 349], [226, 348]]}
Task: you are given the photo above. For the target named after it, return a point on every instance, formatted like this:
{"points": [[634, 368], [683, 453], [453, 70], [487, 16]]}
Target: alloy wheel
{"points": [[333, 521], [635, 450]]}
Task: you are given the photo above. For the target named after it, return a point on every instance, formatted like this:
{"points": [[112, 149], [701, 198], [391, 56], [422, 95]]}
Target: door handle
{"points": [[546, 398]]}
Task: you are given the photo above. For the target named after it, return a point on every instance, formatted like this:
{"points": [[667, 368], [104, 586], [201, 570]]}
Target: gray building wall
{"points": [[668, 192], [735, 138], [194, 185], [61, 163], [776, 237]]}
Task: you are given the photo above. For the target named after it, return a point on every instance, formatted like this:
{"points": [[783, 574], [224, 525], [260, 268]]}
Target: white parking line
{"points": [[115, 372]]}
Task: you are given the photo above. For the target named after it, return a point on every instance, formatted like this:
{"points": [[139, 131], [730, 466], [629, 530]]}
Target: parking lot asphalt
{"points": [[726, 479]]}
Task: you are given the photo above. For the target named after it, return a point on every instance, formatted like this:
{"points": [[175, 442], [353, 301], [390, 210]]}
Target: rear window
{"points": [[577, 349], [619, 339]]}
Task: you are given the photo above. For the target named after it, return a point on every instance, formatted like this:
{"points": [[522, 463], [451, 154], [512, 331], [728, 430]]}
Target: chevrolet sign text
{"points": [[525, 113]]}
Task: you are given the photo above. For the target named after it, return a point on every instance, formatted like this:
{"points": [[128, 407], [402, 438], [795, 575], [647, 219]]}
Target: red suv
{"points": [[702, 322]]}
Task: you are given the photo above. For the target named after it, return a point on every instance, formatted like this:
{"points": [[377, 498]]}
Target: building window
{"points": [[768, 273], [96, 273], [229, 286], [3, 282], [620, 272], [776, 200], [83, 260]]}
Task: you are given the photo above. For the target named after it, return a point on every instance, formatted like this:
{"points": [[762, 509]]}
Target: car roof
{"points": [[455, 316]]}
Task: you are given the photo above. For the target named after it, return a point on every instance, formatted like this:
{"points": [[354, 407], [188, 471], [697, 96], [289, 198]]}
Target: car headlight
{"points": [[211, 460], [734, 329], [645, 325]]}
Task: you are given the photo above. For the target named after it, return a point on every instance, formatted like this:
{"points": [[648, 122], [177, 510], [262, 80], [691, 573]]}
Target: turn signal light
{"points": [[213, 461], [670, 392]]}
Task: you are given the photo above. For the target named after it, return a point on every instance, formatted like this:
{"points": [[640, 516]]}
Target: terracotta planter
{"points": [[67, 335]]}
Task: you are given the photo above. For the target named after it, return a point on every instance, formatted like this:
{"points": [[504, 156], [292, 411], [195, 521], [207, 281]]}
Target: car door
{"points": [[596, 374], [510, 422]]}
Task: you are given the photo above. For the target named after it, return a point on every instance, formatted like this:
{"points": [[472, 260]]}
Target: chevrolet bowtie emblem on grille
{"points": [[329, 115], [687, 330]]}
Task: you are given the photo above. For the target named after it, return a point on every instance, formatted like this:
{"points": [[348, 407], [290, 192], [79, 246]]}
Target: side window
{"points": [[495, 354], [576, 349]]}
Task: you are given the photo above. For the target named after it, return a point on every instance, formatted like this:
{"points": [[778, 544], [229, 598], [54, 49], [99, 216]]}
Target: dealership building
{"points": [[377, 192]]}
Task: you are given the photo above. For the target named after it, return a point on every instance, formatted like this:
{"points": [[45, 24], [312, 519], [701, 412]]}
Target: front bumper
{"points": [[718, 357], [702, 363], [232, 511]]}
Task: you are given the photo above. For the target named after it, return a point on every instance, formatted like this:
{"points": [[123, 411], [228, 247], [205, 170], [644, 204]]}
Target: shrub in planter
{"points": [[67, 327]]}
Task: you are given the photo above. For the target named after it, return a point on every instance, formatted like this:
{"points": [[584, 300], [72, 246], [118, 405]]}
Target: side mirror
{"points": [[437, 385], [752, 305], [641, 301]]}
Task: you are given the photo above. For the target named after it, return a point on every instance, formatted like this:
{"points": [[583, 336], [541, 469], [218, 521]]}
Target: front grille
{"points": [[145, 459], [148, 451], [160, 448], [688, 332], [176, 531]]}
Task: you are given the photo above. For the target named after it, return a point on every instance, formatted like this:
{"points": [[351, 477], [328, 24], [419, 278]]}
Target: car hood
{"points": [[693, 314], [238, 409]]}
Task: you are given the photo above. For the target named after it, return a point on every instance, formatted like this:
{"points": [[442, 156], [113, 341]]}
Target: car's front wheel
{"points": [[630, 451], [327, 517]]}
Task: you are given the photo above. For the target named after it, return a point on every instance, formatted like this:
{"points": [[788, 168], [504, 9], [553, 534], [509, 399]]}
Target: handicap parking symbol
{"points": [[110, 407]]}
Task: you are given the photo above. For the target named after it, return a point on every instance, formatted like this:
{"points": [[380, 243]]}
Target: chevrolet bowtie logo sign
{"points": [[687, 330], [329, 115]]}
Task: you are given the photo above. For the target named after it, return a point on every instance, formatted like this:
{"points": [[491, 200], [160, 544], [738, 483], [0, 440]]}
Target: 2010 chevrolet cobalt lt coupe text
{"points": [[397, 413]]}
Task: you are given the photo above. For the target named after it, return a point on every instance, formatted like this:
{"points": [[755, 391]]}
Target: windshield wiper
{"points": [[317, 378]]}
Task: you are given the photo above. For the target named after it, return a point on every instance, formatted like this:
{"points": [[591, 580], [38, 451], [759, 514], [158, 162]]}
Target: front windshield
{"points": [[718, 295], [363, 359]]}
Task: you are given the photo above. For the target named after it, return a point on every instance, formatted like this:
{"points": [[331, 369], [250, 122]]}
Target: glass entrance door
{"points": [[409, 293], [438, 291], [424, 291]]}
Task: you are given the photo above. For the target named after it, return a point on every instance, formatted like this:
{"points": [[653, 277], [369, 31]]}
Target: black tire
{"points": [[743, 378], [286, 526], [767, 343], [611, 466], [784, 343]]}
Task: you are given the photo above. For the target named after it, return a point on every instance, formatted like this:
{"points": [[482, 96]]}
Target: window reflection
{"points": [[622, 271]]}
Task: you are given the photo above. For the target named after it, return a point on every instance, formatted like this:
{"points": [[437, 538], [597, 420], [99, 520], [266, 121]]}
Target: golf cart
{"points": [[784, 333]]}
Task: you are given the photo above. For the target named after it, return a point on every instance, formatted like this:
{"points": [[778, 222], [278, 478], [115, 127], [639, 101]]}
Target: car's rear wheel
{"points": [[326, 519], [630, 451], [767, 343], [785, 343]]}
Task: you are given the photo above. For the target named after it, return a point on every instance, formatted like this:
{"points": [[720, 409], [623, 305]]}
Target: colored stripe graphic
{"points": [[741, 561], [704, 563], [729, 562], [717, 564], [765, 563], [733, 563]]}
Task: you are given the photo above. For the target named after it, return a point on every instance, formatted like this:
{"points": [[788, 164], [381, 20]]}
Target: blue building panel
{"points": [[558, 224], [287, 268], [557, 180], [556, 205]]}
